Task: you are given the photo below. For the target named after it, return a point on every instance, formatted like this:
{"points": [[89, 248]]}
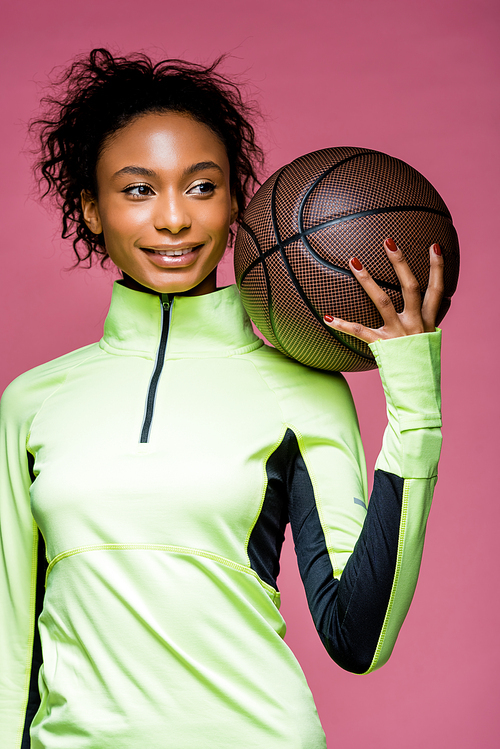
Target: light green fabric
{"points": [[410, 371], [155, 630]]}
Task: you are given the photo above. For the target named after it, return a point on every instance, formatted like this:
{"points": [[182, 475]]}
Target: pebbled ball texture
{"points": [[303, 225]]}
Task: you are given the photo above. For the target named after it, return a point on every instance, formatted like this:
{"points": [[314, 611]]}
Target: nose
{"points": [[172, 214]]}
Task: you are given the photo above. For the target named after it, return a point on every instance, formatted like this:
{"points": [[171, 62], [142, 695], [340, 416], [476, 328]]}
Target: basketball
{"points": [[299, 232]]}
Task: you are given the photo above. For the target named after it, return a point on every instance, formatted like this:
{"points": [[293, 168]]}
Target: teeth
{"points": [[174, 252]]}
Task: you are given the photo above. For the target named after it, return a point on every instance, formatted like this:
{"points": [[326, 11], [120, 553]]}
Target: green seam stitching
{"points": [[264, 488], [223, 354], [57, 388], [115, 351], [317, 496], [32, 624], [164, 547], [247, 349], [402, 532]]}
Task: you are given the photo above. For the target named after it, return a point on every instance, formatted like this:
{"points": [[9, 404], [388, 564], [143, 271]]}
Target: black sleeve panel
{"points": [[268, 534], [366, 582], [348, 613], [36, 660]]}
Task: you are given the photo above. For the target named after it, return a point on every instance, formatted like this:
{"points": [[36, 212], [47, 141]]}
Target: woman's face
{"points": [[164, 202]]}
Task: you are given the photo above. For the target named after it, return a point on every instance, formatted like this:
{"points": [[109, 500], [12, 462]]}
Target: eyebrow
{"points": [[201, 166], [141, 171]]}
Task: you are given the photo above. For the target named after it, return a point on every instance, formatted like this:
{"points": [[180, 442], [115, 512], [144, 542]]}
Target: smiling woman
{"points": [[98, 96], [164, 203], [146, 480]]}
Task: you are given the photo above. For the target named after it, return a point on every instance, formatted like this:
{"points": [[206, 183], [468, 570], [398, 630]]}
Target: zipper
{"points": [[166, 310]]}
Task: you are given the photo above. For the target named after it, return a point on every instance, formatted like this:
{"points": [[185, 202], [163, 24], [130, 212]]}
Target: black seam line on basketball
{"points": [[336, 268], [252, 235], [324, 174], [319, 227], [278, 240], [273, 208], [374, 211], [256, 262], [311, 309], [250, 231], [331, 266], [322, 177], [266, 274], [362, 214]]}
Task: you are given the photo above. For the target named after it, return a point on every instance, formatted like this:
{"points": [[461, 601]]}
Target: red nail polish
{"points": [[437, 249], [391, 244], [328, 318], [356, 264]]}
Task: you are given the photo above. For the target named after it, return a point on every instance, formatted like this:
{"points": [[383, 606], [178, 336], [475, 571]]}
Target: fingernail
{"points": [[329, 318], [391, 245], [437, 249], [356, 264]]}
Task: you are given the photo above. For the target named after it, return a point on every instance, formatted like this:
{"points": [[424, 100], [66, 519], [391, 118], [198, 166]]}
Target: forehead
{"points": [[166, 141]]}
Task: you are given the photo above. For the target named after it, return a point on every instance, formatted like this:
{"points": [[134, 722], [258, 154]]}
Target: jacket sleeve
{"points": [[359, 597], [18, 576]]}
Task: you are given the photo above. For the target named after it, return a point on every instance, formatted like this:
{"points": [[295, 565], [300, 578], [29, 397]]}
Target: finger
{"points": [[410, 287], [435, 289], [355, 329], [380, 299]]}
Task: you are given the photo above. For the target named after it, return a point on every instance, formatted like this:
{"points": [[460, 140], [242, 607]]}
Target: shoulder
{"points": [[24, 395], [301, 390], [275, 366]]}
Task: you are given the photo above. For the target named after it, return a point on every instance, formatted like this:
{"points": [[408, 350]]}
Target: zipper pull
{"points": [[165, 302]]}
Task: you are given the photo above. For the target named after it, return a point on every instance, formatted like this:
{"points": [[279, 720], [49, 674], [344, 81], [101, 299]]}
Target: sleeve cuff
{"points": [[410, 370]]}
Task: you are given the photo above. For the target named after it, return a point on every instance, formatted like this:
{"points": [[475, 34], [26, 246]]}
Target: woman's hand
{"points": [[416, 317]]}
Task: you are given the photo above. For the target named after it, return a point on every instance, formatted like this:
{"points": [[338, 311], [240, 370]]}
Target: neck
{"points": [[199, 325], [207, 286]]}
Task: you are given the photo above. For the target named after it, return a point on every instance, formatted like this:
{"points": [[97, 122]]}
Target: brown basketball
{"points": [[301, 228]]}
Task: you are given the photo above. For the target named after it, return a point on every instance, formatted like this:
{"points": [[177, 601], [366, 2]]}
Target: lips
{"points": [[172, 251], [173, 257]]}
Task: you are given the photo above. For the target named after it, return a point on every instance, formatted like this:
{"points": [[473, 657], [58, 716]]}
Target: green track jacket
{"points": [[145, 485]]}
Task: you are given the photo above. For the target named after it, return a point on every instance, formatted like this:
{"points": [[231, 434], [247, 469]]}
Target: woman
{"points": [[155, 470]]}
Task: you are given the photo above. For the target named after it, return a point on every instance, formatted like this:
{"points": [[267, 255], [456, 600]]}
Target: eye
{"points": [[139, 191], [202, 188]]}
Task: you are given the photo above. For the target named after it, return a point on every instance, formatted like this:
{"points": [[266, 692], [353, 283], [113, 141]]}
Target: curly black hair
{"points": [[100, 94]]}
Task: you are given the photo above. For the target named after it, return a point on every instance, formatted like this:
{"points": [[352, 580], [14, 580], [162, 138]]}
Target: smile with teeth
{"points": [[171, 253]]}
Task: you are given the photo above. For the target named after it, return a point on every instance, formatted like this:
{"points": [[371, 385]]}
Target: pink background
{"points": [[418, 80]]}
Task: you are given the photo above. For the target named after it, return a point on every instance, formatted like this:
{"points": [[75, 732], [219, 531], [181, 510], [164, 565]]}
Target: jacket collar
{"points": [[208, 325]]}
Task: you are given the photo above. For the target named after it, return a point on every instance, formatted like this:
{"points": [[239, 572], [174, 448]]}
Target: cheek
{"points": [[121, 225], [217, 222]]}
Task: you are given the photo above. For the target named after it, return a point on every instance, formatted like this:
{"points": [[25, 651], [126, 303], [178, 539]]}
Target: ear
{"points": [[234, 208], [90, 211]]}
